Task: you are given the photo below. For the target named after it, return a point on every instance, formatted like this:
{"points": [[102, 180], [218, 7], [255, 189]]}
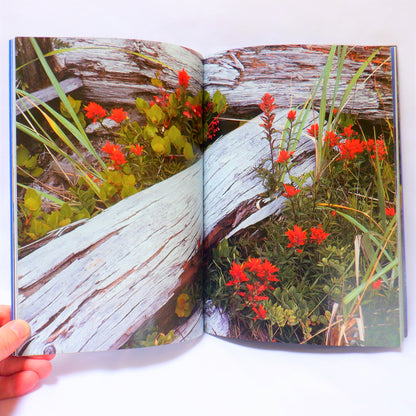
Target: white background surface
{"points": [[211, 376]]}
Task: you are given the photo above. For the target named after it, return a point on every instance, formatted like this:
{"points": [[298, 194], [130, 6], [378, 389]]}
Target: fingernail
{"points": [[20, 328]]}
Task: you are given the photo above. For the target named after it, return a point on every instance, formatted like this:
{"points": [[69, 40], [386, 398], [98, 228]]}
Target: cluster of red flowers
{"points": [[284, 156], [115, 153], [117, 156], [291, 116], [290, 191], [94, 111], [183, 79], [390, 212], [194, 110], [298, 237], [261, 274], [350, 147], [314, 130], [267, 105]]}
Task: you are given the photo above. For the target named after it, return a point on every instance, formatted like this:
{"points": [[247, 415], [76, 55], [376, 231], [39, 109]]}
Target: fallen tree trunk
{"points": [[289, 73], [117, 71], [91, 288]]}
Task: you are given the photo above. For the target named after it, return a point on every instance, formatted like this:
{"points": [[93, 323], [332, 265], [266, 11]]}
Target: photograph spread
{"points": [[252, 194]]}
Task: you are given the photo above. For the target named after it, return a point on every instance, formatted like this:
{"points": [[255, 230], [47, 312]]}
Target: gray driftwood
{"points": [[113, 76], [289, 73], [47, 94], [93, 287]]}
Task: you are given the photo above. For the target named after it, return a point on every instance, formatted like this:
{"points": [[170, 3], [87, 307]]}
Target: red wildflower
{"points": [[94, 111], [284, 156], [296, 236], [291, 116], [268, 271], [118, 115], [333, 213], [350, 148], [390, 212], [331, 138], [137, 149], [253, 265], [260, 312], [290, 191], [314, 130], [183, 79], [237, 271], [116, 155], [318, 234], [376, 284], [348, 132], [335, 111], [267, 104], [376, 148]]}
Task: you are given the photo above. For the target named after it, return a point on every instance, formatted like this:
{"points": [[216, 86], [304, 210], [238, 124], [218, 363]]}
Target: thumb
{"points": [[12, 336]]}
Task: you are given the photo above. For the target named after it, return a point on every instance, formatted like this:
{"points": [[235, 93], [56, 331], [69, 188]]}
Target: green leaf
{"points": [[75, 104], [36, 172], [188, 152], [158, 145], [22, 155], [127, 191], [156, 82], [219, 102], [176, 138], [155, 114], [149, 132], [142, 105], [32, 200], [65, 211]]}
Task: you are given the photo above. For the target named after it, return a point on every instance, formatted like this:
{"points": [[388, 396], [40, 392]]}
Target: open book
{"points": [[253, 194]]}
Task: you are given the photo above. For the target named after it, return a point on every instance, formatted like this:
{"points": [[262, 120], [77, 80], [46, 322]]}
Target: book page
{"points": [[302, 197], [108, 193]]}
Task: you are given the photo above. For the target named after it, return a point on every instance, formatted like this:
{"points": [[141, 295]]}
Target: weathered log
{"points": [[114, 73], [47, 94], [94, 286], [289, 74], [231, 187]]}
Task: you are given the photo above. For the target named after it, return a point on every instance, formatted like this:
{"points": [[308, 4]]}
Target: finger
{"points": [[13, 365], [12, 336], [5, 314], [18, 384], [43, 357]]}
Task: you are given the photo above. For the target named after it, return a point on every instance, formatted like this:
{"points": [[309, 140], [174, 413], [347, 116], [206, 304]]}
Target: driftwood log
{"points": [[289, 74], [93, 287], [114, 73], [231, 188]]}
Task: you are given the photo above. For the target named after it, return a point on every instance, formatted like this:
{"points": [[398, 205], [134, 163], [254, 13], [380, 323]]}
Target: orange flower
{"points": [[376, 284], [267, 104], [314, 130], [350, 148], [118, 115], [183, 79], [331, 138], [296, 236], [291, 116], [94, 111], [137, 149], [290, 191], [260, 312], [284, 156], [237, 272], [115, 153], [318, 234]]}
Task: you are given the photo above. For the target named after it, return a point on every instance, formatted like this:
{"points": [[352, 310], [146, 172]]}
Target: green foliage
{"points": [[35, 223], [27, 162]]}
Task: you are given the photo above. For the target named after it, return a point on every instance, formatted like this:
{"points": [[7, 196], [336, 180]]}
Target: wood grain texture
{"points": [[90, 288], [114, 77], [289, 74], [231, 187]]}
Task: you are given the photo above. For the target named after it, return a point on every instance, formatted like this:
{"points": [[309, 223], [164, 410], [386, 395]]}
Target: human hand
{"points": [[18, 375]]}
